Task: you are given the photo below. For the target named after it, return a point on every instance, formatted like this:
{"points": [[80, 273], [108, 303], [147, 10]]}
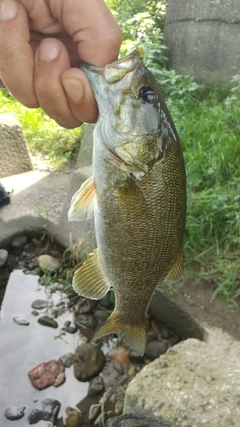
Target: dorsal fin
{"points": [[82, 204]]}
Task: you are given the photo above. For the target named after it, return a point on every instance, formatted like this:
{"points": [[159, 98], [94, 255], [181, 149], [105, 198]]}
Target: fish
{"points": [[136, 194]]}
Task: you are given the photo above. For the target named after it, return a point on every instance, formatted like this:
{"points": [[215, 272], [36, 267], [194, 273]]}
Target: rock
{"points": [[70, 329], [96, 386], [48, 321], [48, 262], [15, 156], [35, 313], [3, 257], [107, 301], [195, 383], [39, 304], [86, 321], [19, 242], [12, 413], [155, 349], [101, 420], [88, 361], [21, 321], [49, 412], [47, 374], [101, 315], [121, 354], [67, 360], [74, 417], [94, 411]]}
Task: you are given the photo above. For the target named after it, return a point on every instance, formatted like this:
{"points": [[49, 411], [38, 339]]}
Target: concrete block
{"points": [[14, 153]]}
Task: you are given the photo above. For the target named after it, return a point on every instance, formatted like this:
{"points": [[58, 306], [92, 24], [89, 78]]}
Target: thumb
{"points": [[79, 95]]}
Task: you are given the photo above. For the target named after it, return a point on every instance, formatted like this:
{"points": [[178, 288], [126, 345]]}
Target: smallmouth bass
{"points": [[137, 194]]}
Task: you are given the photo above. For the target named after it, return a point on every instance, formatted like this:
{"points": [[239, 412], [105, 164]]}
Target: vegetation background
{"points": [[207, 119]]}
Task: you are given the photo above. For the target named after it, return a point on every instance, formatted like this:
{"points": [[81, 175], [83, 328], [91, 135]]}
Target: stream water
{"points": [[24, 347]]}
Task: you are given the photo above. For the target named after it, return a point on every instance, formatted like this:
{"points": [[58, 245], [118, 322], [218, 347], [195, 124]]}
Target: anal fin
{"points": [[175, 273], [90, 280]]}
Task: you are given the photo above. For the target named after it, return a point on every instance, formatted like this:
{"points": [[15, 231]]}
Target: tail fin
{"points": [[134, 335]]}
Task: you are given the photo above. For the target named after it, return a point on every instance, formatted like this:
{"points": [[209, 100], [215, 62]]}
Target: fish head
{"points": [[133, 120]]}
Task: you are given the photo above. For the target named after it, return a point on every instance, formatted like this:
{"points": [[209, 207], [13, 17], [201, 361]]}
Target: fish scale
{"points": [[137, 195]]}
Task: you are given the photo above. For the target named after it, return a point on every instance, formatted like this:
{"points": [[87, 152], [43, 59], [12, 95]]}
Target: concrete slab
{"points": [[41, 201]]}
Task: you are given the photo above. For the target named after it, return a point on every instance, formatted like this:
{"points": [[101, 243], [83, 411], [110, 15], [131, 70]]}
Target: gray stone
{"points": [[38, 304], [48, 321], [195, 383], [3, 257], [155, 349], [48, 262], [202, 37], [88, 361], [67, 360], [21, 321], [19, 242], [48, 412], [74, 417], [94, 411], [15, 156], [96, 386], [86, 321], [12, 413]]}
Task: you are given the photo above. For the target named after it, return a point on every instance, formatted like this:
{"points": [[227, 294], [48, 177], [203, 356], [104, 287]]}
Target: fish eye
{"points": [[147, 94]]}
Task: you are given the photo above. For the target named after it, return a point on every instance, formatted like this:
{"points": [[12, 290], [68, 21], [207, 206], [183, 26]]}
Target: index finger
{"points": [[91, 25], [16, 53]]}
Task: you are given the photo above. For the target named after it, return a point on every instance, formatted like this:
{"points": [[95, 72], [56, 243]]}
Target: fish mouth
{"points": [[117, 70]]}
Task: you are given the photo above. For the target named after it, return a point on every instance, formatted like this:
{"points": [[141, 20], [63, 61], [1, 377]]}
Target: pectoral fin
{"points": [[175, 273], [82, 204], [90, 280]]}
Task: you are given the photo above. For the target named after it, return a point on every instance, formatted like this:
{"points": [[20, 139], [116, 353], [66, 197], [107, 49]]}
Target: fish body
{"points": [[137, 194]]}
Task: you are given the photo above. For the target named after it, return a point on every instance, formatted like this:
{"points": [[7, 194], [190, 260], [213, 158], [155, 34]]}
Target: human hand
{"points": [[41, 44]]}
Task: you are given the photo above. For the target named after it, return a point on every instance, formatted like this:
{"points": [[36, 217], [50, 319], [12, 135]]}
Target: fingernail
{"points": [[8, 9], [73, 88], [48, 49]]}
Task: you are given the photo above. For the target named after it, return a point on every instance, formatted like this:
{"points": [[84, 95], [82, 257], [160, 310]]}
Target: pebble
{"points": [[21, 321], [70, 329], [18, 242], [74, 417], [48, 321], [96, 386], [3, 257], [67, 360], [35, 313], [48, 412], [38, 304], [101, 315], [155, 349], [121, 354], [86, 321], [94, 412], [47, 374], [12, 413], [107, 301], [48, 262], [101, 420], [88, 361]]}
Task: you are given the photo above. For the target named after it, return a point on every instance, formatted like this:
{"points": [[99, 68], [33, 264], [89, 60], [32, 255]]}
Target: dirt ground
{"points": [[196, 298]]}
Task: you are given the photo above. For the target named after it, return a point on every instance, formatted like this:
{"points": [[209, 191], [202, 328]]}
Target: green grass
{"points": [[58, 145]]}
